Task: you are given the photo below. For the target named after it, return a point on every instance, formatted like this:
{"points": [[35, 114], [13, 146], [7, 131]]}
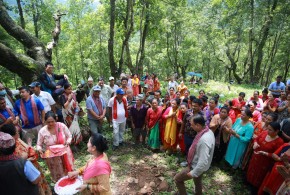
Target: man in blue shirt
{"points": [[277, 87], [7, 115], [31, 112], [96, 107]]}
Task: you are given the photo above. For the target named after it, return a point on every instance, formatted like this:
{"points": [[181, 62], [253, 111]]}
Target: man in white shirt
{"points": [[118, 110], [44, 97], [112, 84], [172, 83], [199, 156]]}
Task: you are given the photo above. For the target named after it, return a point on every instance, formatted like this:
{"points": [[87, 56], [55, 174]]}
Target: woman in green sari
{"points": [[152, 122]]}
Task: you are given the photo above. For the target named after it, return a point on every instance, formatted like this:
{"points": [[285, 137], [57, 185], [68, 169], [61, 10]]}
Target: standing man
{"points": [[118, 110], [89, 86], [124, 82], [138, 114], [199, 156], [106, 94], [8, 99], [112, 84], [96, 110], [8, 115], [186, 129], [31, 112], [277, 87], [48, 81], [45, 97], [172, 83]]}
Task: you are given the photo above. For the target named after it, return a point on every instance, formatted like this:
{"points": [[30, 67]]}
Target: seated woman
{"points": [[260, 164], [238, 103], [264, 95], [96, 173], [256, 114], [270, 105], [221, 125], [259, 101], [27, 152], [55, 136], [241, 135], [284, 109]]}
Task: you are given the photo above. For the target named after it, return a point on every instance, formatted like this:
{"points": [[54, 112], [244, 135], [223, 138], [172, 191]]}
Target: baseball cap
{"points": [[97, 88], [35, 84], [120, 91], [111, 78]]}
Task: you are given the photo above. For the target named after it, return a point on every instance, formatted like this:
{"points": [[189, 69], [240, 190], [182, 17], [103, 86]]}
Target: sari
{"points": [[274, 179], [70, 116], [135, 86], [152, 121], [258, 129], [170, 131], [260, 164], [59, 166], [25, 151], [96, 173]]}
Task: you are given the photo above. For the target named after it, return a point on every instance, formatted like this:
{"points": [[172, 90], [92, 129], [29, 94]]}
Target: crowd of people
{"points": [[252, 134]]}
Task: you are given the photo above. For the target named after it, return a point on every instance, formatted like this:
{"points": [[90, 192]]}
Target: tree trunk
{"points": [[143, 35], [251, 39], [114, 70], [261, 44], [22, 22], [29, 66]]}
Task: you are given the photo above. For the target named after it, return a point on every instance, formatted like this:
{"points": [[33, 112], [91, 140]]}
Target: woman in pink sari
{"points": [[53, 145], [96, 173]]}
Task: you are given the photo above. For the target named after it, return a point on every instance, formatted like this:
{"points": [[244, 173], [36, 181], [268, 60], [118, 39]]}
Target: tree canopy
{"points": [[224, 39]]}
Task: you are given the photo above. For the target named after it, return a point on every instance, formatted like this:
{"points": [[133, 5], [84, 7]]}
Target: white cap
{"points": [[90, 78], [111, 78]]}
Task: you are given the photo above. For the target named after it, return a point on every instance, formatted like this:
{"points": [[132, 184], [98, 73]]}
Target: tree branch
{"points": [[55, 33], [15, 30], [26, 67]]}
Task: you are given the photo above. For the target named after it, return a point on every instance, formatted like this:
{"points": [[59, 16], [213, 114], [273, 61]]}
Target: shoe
{"points": [[183, 164], [114, 148], [121, 144]]}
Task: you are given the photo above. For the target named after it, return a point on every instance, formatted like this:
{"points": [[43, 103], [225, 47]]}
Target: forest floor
{"points": [[137, 170]]}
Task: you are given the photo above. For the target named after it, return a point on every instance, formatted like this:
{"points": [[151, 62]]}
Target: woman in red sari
{"points": [[153, 117], [183, 109], [135, 85], [264, 95], [238, 103], [270, 105], [274, 180], [256, 114], [267, 142], [259, 128], [172, 94], [156, 82]]}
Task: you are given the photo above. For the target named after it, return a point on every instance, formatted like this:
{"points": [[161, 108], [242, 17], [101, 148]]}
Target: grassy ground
{"points": [[137, 169]]}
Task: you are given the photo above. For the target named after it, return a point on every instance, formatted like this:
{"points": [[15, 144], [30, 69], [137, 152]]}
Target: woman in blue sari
{"points": [[242, 133]]}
